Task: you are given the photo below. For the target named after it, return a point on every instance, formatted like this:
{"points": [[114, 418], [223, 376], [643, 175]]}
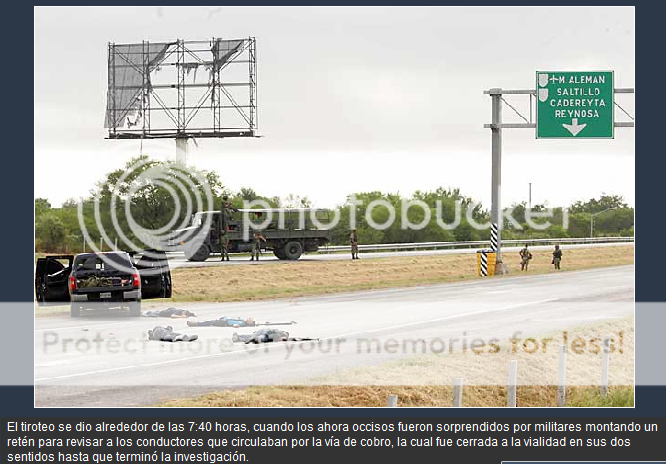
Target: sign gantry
{"points": [[569, 104]]}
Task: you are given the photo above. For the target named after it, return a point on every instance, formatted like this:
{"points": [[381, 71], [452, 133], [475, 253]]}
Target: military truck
{"points": [[289, 233]]}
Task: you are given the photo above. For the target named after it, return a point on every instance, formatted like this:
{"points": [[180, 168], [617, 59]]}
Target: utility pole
{"points": [[496, 192], [529, 198]]}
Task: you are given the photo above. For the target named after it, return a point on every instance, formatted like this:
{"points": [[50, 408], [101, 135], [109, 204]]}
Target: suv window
{"points": [[111, 261]]}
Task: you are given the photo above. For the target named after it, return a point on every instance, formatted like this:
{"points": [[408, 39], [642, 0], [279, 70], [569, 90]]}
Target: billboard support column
{"points": [[181, 150]]}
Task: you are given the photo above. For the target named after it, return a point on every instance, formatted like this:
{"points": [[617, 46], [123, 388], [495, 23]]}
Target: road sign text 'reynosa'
{"points": [[574, 104]]}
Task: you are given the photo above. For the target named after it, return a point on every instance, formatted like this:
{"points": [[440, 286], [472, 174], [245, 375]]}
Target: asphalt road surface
{"points": [[107, 360], [179, 260]]}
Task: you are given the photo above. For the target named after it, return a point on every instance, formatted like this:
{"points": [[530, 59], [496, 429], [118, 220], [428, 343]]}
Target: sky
{"points": [[350, 99]]}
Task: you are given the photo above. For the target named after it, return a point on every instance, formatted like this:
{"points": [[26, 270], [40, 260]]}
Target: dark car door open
{"points": [[154, 272], [51, 277]]}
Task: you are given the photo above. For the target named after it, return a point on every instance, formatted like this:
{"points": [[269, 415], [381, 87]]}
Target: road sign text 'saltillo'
{"points": [[574, 104]]}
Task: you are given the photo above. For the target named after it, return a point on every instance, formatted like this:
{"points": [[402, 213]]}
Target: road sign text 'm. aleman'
{"points": [[574, 104]]}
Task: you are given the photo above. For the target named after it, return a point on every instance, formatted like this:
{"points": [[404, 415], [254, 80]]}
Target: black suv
{"points": [[103, 279]]}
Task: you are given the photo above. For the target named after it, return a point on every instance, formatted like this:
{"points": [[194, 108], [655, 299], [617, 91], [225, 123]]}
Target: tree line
{"points": [[152, 205]]}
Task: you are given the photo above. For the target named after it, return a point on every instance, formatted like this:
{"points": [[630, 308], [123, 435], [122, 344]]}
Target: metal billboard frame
{"points": [[214, 96]]}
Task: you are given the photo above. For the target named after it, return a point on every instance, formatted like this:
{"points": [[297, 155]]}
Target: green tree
{"points": [[70, 203], [295, 201], [247, 194], [612, 222], [51, 232], [42, 205], [152, 204], [594, 206]]}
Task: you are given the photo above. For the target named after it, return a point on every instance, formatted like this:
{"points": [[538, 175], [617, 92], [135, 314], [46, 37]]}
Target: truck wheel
{"points": [[75, 310], [135, 308], [293, 251], [279, 252], [200, 254]]}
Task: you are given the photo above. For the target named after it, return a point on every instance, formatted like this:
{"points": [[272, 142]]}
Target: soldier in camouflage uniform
{"points": [[224, 246], [256, 245], [557, 257], [223, 226], [525, 257], [353, 241]]}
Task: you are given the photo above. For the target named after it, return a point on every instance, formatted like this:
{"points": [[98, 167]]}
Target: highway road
{"points": [[178, 259], [107, 361]]}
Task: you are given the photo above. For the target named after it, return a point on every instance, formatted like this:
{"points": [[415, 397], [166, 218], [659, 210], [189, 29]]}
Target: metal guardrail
{"points": [[475, 244]]}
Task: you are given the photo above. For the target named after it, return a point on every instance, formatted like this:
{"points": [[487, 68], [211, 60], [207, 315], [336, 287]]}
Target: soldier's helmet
{"points": [[225, 198], [557, 247]]}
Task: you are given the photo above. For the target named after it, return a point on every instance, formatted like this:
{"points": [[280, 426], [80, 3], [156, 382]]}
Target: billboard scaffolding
{"points": [[182, 89]]}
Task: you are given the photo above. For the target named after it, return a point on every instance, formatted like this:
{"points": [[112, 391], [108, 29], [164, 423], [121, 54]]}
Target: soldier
{"points": [[353, 241], [223, 226], [525, 257], [224, 246], [557, 257], [256, 245]]}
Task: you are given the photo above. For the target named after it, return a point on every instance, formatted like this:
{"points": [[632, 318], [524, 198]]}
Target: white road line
{"points": [[172, 361]]}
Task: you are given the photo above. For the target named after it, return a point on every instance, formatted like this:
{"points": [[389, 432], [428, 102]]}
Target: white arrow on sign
{"points": [[574, 127]]}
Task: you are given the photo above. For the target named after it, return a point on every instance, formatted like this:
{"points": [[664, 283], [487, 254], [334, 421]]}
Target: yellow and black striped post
{"points": [[485, 260], [484, 263], [493, 237]]}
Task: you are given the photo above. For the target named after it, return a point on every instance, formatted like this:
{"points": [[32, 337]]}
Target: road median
{"points": [[296, 279]]}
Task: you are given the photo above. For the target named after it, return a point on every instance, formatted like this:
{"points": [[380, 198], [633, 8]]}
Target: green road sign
{"points": [[574, 104]]}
